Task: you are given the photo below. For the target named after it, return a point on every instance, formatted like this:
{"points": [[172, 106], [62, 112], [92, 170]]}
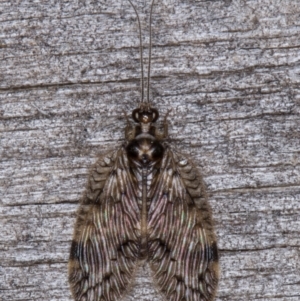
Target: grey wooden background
{"points": [[230, 71]]}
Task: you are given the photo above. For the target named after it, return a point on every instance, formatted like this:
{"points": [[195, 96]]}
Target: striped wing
{"points": [[182, 246], [104, 251]]}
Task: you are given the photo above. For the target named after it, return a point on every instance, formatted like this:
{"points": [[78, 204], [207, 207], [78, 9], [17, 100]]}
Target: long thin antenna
{"points": [[141, 52], [150, 48]]}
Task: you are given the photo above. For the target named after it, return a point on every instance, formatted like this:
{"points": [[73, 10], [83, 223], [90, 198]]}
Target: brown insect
{"points": [[144, 202]]}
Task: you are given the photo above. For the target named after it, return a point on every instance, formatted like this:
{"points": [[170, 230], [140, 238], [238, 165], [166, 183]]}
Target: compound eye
{"points": [[135, 115], [155, 115]]}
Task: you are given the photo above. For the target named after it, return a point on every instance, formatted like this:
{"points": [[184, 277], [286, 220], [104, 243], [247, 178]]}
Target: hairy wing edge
{"points": [[182, 244], [104, 250]]}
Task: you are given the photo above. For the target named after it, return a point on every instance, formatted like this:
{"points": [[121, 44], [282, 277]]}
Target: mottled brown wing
{"points": [[182, 246], [104, 251]]}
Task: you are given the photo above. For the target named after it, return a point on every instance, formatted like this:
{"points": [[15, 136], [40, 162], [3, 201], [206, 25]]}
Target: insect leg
{"points": [[164, 133], [129, 129]]}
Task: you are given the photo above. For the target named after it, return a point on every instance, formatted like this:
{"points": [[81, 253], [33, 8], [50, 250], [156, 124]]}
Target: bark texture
{"points": [[230, 72]]}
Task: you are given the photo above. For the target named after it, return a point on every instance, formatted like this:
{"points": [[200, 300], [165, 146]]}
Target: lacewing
{"points": [[144, 202]]}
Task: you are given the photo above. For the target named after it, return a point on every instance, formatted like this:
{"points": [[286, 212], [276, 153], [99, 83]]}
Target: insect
{"points": [[144, 202]]}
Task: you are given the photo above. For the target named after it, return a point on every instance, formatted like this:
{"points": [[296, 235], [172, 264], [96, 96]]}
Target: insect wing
{"points": [[182, 246], [104, 250]]}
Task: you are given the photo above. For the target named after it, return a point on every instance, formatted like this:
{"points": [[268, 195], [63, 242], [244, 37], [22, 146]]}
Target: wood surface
{"points": [[230, 72]]}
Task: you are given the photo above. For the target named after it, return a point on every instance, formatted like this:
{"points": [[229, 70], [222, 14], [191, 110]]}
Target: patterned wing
{"points": [[182, 246], [104, 251]]}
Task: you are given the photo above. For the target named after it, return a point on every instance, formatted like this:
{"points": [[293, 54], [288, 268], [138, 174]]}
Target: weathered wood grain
{"points": [[230, 71]]}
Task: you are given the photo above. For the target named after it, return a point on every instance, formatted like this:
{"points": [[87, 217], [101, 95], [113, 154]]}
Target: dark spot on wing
{"points": [[74, 250], [213, 252]]}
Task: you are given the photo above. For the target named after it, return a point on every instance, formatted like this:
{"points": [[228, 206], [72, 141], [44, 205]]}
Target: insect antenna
{"points": [[150, 48], [141, 52]]}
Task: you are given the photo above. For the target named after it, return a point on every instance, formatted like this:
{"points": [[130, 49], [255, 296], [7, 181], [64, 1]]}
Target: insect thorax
{"points": [[145, 140]]}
